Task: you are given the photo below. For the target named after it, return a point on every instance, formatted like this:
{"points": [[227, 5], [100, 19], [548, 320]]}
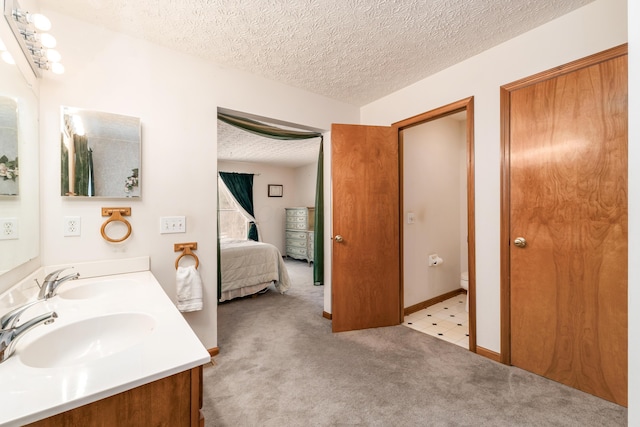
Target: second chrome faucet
{"points": [[52, 282]]}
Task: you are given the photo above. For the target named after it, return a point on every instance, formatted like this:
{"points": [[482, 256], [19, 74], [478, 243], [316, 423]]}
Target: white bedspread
{"points": [[248, 267]]}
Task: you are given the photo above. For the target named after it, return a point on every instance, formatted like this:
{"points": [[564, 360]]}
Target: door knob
{"points": [[520, 242], [338, 239]]}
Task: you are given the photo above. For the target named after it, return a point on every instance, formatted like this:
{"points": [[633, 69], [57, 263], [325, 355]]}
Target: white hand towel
{"points": [[189, 288]]}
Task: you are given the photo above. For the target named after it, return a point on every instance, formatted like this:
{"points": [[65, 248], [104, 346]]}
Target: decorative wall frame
{"points": [[274, 190]]}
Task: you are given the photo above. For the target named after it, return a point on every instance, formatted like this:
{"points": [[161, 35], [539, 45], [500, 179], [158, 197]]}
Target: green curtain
{"points": [[241, 187], [265, 130], [318, 235], [274, 132], [81, 148], [218, 247], [64, 169]]}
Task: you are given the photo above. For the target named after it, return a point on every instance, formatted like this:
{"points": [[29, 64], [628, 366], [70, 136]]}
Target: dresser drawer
{"points": [[297, 252], [296, 235], [297, 212], [298, 243], [292, 225]]}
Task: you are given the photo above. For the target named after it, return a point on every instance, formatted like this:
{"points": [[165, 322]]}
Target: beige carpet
{"points": [[280, 365]]}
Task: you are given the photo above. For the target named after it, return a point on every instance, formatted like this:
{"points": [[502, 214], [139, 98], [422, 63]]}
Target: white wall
{"points": [[431, 166], [306, 185], [176, 96], [598, 26]]}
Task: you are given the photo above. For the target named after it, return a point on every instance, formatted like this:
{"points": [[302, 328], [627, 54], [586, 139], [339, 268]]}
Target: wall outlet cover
{"points": [[8, 228], [71, 226]]}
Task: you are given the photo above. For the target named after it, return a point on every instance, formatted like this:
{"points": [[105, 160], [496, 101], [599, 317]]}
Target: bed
{"points": [[248, 267]]}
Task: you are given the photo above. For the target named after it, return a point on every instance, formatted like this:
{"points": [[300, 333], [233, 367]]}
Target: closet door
{"points": [[568, 229]]}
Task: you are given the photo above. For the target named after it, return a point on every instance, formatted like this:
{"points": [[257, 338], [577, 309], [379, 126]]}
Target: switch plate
{"points": [[411, 218], [71, 226], [8, 228], [173, 224]]}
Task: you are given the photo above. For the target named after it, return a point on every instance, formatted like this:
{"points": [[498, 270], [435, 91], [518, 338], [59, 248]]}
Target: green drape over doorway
{"points": [[274, 132]]}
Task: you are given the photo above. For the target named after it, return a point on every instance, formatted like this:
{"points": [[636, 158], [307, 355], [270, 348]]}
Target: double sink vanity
{"points": [[118, 352]]}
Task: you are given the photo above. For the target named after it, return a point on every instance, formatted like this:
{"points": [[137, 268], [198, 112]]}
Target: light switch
{"points": [[173, 224], [411, 217]]}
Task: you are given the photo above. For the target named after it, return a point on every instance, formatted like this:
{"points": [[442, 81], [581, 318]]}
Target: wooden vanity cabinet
{"points": [[173, 401]]}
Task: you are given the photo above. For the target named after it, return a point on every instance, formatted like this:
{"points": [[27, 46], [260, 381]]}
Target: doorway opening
{"points": [[286, 160], [438, 222]]}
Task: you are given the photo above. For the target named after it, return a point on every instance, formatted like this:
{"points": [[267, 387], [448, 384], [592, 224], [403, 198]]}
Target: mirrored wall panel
{"points": [[9, 170], [19, 164], [100, 154]]}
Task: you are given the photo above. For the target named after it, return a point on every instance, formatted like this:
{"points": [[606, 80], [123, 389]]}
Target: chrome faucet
{"points": [[52, 282], [10, 333]]}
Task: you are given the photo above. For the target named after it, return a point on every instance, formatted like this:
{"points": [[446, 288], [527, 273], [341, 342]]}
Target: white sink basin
{"points": [[79, 290], [87, 340]]}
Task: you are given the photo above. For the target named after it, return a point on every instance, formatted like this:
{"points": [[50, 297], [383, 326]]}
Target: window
{"points": [[233, 224]]}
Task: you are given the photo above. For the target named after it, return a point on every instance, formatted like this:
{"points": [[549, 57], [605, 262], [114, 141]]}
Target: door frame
{"points": [[465, 104], [505, 184]]}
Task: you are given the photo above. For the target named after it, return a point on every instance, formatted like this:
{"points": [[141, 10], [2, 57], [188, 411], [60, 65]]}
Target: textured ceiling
{"points": [[355, 51], [241, 146], [351, 50]]}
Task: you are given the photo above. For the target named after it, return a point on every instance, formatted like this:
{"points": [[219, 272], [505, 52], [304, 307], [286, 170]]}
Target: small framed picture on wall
{"points": [[275, 190]]}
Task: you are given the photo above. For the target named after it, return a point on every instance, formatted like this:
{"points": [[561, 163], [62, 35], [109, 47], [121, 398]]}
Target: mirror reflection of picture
{"points": [[275, 190], [100, 154], [8, 147]]}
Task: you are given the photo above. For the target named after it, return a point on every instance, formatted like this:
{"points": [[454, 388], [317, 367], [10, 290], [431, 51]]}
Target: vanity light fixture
{"points": [[37, 45], [38, 20]]}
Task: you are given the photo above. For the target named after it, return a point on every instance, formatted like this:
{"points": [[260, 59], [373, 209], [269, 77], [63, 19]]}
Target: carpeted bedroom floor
{"points": [[280, 365]]}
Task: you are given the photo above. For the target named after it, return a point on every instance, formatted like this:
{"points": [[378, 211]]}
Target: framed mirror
{"points": [[100, 154]]}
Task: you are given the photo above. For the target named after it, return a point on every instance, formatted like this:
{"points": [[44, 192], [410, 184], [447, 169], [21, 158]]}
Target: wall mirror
{"points": [[19, 166], [100, 154]]}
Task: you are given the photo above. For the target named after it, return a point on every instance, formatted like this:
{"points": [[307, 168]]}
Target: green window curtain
{"points": [[274, 132], [241, 187], [318, 235]]}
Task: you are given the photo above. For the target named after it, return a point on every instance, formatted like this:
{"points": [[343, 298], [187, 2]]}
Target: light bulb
{"points": [[53, 55], [39, 21], [57, 68], [47, 40], [6, 57]]}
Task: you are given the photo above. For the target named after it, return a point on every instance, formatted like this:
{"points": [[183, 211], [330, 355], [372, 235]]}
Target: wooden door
{"points": [[365, 276], [568, 200]]}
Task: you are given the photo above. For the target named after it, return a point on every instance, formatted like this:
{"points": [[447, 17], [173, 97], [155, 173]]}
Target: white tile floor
{"points": [[447, 320]]}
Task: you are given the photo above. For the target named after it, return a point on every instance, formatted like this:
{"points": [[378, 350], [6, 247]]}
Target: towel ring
{"points": [[186, 251], [115, 214]]}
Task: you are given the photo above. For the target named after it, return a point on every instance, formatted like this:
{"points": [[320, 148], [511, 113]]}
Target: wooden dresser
{"points": [[299, 233]]}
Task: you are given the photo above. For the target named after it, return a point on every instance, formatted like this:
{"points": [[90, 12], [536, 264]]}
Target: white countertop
{"points": [[170, 346]]}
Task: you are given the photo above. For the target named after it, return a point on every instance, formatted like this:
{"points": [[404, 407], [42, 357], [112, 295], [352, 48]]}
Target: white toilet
{"points": [[464, 284]]}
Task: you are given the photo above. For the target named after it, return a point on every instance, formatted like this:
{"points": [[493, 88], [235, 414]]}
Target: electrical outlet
{"points": [[8, 228], [173, 224], [71, 226]]}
